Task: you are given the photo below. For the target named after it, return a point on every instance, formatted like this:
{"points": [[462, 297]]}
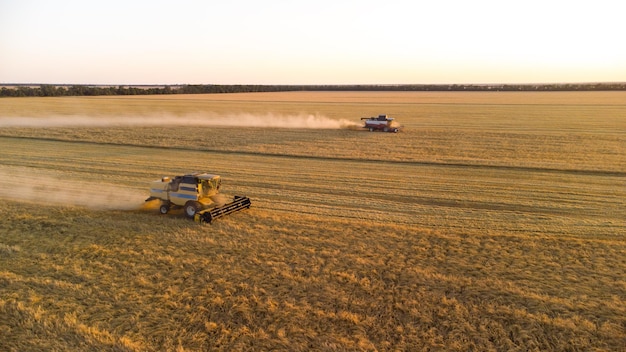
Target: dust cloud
{"points": [[303, 121], [37, 187], [220, 199]]}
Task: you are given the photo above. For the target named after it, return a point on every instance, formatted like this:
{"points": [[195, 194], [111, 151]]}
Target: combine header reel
{"points": [[211, 214]]}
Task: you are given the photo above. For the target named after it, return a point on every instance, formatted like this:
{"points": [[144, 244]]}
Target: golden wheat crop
{"points": [[492, 221]]}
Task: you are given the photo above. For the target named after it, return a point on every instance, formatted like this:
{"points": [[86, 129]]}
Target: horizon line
{"points": [[308, 84]]}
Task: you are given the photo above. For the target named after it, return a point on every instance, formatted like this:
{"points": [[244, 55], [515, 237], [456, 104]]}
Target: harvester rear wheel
{"points": [[191, 208], [164, 208]]}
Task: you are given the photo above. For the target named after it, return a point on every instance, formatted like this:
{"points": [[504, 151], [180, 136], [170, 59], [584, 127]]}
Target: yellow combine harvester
{"points": [[195, 193]]}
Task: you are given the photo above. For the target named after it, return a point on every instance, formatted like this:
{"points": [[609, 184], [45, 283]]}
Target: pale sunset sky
{"points": [[311, 42]]}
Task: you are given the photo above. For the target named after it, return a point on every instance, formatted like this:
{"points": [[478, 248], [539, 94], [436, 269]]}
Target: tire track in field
{"points": [[405, 204], [606, 173]]}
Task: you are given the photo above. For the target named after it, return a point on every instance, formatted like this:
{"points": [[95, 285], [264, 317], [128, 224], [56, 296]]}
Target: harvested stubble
{"points": [[439, 237]]}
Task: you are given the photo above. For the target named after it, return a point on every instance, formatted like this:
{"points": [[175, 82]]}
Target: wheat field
{"points": [[491, 221]]}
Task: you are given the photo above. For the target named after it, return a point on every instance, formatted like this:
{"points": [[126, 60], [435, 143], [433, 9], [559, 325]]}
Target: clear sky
{"points": [[311, 42]]}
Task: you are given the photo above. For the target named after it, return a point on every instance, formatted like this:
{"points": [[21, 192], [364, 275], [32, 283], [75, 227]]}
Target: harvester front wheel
{"points": [[191, 208]]}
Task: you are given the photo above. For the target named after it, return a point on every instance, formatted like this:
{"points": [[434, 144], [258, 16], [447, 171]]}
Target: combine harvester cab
{"points": [[382, 123], [194, 193]]}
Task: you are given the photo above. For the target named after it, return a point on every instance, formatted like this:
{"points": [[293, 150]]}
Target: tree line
{"points": [[50, 90]]}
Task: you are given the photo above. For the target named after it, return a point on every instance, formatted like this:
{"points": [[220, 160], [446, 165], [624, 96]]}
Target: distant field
{"points": [[492, 221]]}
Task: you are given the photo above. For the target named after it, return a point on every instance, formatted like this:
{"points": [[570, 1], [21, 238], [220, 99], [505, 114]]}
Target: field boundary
{"points": [[606, 173]]}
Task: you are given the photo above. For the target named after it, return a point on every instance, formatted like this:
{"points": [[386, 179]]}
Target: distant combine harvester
{"points": [[380, 123]]}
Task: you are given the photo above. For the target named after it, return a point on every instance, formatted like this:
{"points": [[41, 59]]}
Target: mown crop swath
{"points": [[491, 222]]}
